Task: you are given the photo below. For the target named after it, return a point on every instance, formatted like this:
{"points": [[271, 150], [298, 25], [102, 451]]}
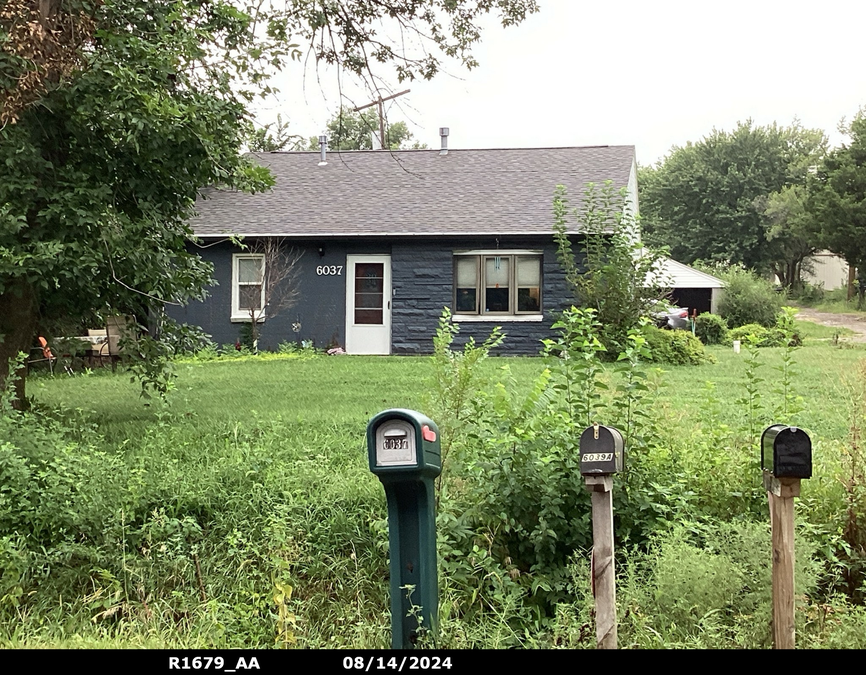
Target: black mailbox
{"points": [[786, 452], [601, 451]]}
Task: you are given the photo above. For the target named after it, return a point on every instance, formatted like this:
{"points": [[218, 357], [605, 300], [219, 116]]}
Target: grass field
{"points": [[242, 512], [347, 390]]}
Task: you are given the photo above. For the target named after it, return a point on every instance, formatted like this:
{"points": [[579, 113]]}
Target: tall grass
{"points": [[835, 301]]}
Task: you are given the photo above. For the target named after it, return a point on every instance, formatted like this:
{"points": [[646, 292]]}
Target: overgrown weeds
{"points": [[853, 478]]}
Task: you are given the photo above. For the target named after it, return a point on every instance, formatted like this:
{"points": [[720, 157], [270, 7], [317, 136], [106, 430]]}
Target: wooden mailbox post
{"points": [[601, 455], [786, 458]]}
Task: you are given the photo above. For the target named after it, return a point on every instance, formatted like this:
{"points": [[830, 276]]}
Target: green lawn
{"points": [[348, 390]]}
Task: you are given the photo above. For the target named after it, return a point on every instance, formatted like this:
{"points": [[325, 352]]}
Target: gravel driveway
{"points": [[854, 322]]}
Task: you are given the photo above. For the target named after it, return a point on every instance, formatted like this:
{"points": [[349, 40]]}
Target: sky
{"points": [[653, 74]]}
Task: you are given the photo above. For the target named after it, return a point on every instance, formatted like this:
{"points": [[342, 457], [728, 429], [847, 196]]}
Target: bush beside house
{"points": [[748, 299]]}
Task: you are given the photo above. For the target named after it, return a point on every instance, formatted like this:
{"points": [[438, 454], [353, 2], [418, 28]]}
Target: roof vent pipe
{"points": [[323, 145], [443, 135]]}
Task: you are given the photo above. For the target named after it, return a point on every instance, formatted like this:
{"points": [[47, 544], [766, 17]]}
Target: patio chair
{"points": [[47, 354], [116, 328]]}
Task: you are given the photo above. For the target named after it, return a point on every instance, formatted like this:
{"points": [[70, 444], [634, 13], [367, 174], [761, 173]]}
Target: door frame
{"points": [[355, 332]]}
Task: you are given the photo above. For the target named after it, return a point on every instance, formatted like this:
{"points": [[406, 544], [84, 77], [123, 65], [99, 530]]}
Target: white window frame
{"points": [[513, 314], [240, 315]]}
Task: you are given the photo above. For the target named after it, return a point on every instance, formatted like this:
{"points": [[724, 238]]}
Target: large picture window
{"points": [[248, 287], [499, 283]]}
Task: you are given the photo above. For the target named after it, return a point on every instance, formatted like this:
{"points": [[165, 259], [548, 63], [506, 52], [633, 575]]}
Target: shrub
{"points": [[59, 507], [304, 350], [707, 585], [245, 336], [787, 327], [676, 347], [458, 380], [809, 294], [516, 509], [782, 334], [748, 299], [688, 583], [711, 329], [753, 333]]}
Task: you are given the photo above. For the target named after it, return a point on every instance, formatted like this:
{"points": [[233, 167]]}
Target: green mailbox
{"points": [[404, 452]]}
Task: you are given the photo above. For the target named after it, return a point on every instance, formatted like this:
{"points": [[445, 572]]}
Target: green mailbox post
{"points": [[403, 449]]}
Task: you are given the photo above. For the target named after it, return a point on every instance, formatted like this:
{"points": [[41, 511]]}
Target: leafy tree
{"points": [[112, 141], [350, 33], [103, 169], [790, 231], [708, 200], [837, 199], [352, 131], [620, 278], [273, 137]]}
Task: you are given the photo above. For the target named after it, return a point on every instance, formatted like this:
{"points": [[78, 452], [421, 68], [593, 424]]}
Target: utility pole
{"points": [[379, 103]]}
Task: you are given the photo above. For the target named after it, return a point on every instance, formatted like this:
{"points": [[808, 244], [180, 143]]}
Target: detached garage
{"points": [[698, 291]]}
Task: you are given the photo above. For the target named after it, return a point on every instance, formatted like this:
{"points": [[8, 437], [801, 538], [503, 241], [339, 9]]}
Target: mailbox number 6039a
{"points": [[598, 457], [329, 270]]}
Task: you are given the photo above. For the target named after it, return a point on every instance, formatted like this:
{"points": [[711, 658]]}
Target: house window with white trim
{"points": [[248, 287], [497, 284]]}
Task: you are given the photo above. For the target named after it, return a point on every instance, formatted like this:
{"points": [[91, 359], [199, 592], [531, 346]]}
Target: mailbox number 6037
{"points": [[329, 270]]}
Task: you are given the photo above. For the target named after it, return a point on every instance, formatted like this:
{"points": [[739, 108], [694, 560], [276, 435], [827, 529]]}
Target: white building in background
{"points": [[831, 271]]}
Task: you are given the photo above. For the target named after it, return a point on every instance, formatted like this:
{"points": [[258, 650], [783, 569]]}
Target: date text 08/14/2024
{"points": [[357, 663], [397, 663]]}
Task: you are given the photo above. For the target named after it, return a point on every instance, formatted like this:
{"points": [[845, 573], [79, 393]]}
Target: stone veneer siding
{"points": [[423, 283]]}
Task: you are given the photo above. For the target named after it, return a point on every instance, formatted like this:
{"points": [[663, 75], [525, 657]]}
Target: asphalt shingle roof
{"points": [[411, 192]]}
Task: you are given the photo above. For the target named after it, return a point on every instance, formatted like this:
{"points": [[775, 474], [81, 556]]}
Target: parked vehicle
{"points": [[669, 316]]}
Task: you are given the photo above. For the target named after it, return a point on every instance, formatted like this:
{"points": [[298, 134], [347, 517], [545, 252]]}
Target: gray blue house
{"points": [[387, 239]]}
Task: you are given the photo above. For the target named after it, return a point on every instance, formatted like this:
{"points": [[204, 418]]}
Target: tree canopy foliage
{"points": [[110, 132], [273, 137], [350, 130], [790, 232], [709, 200], [837, 198]]}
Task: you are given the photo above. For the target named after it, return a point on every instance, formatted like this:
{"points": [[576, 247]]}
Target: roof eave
{"points": [[319, 235]]}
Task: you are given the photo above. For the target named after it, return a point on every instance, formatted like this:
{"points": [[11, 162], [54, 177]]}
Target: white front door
{"points": [[368, 304]]}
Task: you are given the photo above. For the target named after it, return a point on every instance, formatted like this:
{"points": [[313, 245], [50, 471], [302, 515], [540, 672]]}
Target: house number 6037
{"points": [[329, 270]]}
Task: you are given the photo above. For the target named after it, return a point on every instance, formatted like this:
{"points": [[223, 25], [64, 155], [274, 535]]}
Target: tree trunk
{"points": [[18, 316], [785, 272], [861, 287]]}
